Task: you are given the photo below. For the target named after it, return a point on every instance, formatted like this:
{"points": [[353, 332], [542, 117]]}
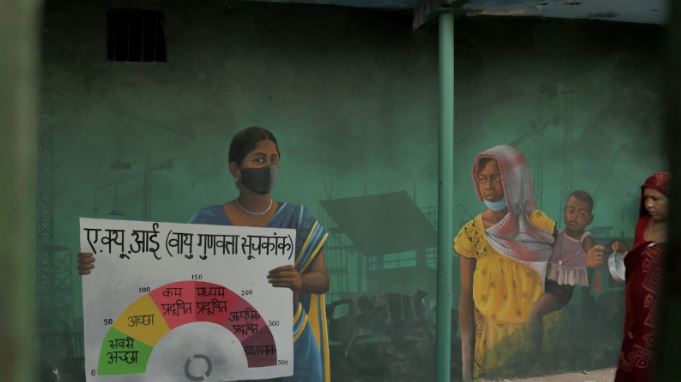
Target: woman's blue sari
{"points": [[311, 341]]}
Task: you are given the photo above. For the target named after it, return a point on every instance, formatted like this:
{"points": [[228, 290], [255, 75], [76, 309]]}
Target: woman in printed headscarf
{"points": [[503, 255], [642, 271]]}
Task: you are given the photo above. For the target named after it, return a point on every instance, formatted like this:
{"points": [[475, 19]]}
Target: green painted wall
{"points": [[352, 97]]}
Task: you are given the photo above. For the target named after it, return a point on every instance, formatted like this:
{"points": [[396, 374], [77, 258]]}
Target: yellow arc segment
{"points": [[142, 321]]}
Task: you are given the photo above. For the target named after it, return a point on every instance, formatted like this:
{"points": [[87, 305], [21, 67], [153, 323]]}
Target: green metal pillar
{"points": [[445, 198], [18, 133]]}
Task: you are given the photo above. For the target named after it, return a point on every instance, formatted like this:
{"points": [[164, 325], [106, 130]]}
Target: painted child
{"points": [[573, 251]]}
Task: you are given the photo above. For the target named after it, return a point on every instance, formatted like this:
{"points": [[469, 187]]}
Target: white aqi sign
{"points": [[185, 302]]}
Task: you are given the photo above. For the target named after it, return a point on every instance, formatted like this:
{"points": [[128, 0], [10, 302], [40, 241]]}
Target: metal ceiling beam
{"points": [[429, 11]]}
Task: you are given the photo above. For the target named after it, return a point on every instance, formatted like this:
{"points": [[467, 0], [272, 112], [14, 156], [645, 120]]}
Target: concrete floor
{"points": [[603, 375]]}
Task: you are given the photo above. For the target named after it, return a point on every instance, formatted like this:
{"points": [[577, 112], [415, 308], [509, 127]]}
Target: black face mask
{"points": [[259, 180]]}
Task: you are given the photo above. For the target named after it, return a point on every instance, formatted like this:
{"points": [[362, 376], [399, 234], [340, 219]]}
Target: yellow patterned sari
{"points": [[504, 291]]}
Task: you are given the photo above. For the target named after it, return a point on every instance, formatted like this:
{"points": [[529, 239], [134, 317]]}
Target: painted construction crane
{"points": [[54, 284], [146, 190], [548, 91], [568, 153], [537, 133], [60, 340]]}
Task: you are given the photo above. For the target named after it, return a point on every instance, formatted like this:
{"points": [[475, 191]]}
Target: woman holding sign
{"points": [[254, 165]]}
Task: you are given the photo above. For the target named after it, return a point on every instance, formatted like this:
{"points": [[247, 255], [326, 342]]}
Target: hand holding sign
{"points": [[285, 276]]}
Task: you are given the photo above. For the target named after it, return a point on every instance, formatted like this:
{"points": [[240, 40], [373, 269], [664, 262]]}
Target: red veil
{"points": [[643, 278], [659, 181]]}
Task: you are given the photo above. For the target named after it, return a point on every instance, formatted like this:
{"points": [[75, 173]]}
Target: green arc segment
{"points": [[122, 354]]}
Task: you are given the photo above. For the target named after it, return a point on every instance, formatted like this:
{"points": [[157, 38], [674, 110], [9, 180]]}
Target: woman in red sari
{"points": [[643, 277]]}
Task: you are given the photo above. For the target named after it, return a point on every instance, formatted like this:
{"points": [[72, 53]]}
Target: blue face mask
{"points": [[496, 206]]}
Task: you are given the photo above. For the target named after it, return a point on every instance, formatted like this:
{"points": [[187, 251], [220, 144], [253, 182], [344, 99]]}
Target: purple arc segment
{"points": [[260, 349]]}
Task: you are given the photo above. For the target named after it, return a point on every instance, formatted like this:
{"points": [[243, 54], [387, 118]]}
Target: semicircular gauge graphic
{"points": [[127, 346]]}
